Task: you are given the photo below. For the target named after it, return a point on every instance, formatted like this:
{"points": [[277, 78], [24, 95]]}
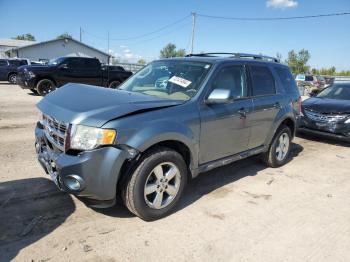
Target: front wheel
{"points": [[157, 184], [45, 86], [278, 153]]}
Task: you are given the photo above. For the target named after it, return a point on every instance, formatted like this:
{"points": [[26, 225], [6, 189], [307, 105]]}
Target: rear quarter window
{"points": [[262, 80], [286, 79]]}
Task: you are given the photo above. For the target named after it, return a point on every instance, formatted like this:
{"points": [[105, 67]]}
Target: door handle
{"points": [[242, 112]]}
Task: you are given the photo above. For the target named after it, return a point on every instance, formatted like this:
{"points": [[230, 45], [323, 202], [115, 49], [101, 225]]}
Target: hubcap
{"points": [[13, 79], [162, 185], [283, 147], [45, 88]]}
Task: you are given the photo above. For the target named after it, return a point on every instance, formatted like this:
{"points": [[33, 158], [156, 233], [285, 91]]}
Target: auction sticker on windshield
{"points": [[180, 81]]}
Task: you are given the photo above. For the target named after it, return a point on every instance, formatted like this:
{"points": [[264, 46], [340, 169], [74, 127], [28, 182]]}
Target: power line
{"points": [[272, 18], [143, 35], [159, 36]]}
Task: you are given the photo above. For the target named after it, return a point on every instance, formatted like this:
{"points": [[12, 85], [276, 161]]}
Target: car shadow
{"points": [[215, 179], [321, 139], [29, 210], [210, 181], [33, 94]]}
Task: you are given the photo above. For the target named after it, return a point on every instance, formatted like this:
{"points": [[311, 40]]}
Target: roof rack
{"points": [[238, 56]]}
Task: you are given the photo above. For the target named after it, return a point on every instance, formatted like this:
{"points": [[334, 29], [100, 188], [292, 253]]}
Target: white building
{"points": [[7, 44], [56, 48]]}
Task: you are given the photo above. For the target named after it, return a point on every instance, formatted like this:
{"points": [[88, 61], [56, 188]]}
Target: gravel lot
{"points": [[241, 212]]}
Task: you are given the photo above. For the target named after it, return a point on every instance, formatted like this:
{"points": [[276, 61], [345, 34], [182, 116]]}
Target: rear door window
{"points": [[287, 79], [91, 64], [262, 81], [75, 63]]}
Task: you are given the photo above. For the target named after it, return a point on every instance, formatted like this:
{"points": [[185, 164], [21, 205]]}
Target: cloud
{"points": [[123, 46], [127, 51], [281, 4]]}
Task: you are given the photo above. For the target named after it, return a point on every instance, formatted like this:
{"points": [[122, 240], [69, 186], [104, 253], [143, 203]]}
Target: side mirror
{"points": [[219, 96], [63, 66]]}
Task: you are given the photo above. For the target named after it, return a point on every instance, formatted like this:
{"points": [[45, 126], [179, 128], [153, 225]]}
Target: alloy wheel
{"points": [[282, 147], [162, 185]]}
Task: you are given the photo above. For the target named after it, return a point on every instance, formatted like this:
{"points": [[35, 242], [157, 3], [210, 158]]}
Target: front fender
{"points": [[166, 131]]}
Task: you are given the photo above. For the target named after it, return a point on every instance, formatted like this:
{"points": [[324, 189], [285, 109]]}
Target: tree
{"points": [[64, 35], [142, 61], [298, 61], [28, 37], [170, 51]]}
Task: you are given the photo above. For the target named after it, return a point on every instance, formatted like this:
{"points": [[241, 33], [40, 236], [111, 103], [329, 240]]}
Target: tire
{"points": [[278, 152], [151, 172], [45, 86], [12, 78], [114, 84]]}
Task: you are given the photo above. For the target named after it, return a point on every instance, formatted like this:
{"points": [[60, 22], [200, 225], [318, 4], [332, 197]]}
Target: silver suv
{"points": [[172, 120]]}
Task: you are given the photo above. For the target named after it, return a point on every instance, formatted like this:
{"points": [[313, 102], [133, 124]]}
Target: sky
{"points": [[130, 22]]}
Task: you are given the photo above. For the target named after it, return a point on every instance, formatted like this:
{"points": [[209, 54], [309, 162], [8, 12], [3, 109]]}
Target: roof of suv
{"points": [[213, 58]]}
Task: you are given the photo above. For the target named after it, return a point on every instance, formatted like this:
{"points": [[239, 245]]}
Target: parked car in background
{"points": [[169, 122], [45, 78], [8, 69], [329, 80], [328, 113], [307, 83]]}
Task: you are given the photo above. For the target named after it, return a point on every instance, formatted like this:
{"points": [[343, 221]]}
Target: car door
{"points": [[224, 127], [73, 70], [91, 72], [266, 104], [3, 69]]}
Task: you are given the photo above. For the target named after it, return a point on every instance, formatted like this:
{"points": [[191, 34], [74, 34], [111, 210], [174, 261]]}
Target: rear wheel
{"points": [[12, 78], [45, 86], [157, 184], [114, 84], [278, 153]]}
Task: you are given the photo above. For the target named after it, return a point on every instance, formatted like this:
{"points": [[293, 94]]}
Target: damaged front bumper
{"points": [[331, 129], [91, 174]]}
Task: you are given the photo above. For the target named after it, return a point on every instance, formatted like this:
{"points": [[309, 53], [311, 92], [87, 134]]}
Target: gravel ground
{"points": [[241, 212]]}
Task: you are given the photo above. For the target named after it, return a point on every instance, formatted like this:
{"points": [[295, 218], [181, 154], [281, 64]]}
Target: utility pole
{"points": [[193, 27], [80, 35], [108, 58]]}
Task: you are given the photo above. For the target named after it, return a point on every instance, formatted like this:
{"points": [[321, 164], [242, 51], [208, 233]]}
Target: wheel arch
{"points": [[45, 77]]}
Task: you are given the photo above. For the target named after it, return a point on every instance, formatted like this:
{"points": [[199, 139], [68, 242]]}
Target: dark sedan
{"points": [[328, 113]]}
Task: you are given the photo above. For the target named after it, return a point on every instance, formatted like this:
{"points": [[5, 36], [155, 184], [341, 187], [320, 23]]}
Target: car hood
{"points": [[95, 106], [328, 106]]}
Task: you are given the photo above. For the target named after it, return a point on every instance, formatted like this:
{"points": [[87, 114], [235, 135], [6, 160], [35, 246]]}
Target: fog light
{"points": [[73, 183]]}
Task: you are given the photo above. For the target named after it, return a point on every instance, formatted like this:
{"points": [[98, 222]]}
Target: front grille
{"points": [[319, 117], [55, 131]]}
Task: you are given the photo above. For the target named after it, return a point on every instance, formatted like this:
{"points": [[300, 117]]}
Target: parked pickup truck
{"points": [[169, 122], [43, 79]]}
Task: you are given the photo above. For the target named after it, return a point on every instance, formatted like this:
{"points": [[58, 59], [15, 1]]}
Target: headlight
{"points": [[87, 138], [347, 121]]}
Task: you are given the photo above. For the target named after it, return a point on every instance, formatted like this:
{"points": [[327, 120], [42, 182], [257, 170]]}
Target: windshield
{"points": [[55, 61], [336, 92], [170, 79]]}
